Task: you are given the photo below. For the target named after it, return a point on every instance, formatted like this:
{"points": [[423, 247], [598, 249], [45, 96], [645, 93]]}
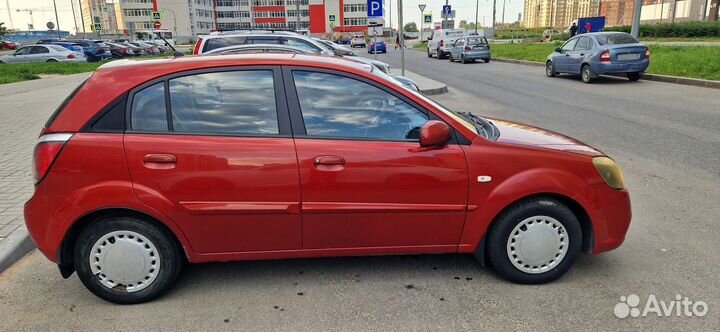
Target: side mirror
{"points": [[559, 50], [434, 133]]}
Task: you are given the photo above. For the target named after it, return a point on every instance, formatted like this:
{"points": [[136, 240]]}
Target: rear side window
{"points": [[616, 39], [477, 41], [233, 102], [583, 44], [63, 105], [148, 109], [213, 43]]}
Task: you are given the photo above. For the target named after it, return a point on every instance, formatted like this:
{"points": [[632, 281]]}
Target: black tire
{"points": [[498, 238], [634, 76], [51, 60], [440, 54], [428, 53], [550, 69], [450, 58], [170, 255], [486, 60], [586, 74], [462, 59]]}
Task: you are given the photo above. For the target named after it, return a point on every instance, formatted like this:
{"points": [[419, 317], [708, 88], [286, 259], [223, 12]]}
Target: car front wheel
{"points": [[127, 260], [550, 69], [534, 242]]}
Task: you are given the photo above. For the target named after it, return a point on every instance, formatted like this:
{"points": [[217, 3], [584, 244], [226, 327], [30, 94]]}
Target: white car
{"points": [[440, 42], [43, 53], [358, 41]]}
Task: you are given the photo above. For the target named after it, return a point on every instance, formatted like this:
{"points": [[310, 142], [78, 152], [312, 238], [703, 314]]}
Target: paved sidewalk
{"points": [[25, 108]]}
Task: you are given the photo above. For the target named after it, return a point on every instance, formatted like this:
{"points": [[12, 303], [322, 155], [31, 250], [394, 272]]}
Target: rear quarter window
{"points": [[214, 43]]}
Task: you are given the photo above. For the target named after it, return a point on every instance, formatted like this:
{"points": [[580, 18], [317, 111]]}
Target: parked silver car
{"points": [[470, 49], [43, 53]]}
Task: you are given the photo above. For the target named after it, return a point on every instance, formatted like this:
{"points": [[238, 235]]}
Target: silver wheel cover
{"points": [[124, 261], [537, 244]]}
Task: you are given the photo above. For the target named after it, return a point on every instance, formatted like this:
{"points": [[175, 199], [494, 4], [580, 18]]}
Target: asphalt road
{"points": [[666, 137]]}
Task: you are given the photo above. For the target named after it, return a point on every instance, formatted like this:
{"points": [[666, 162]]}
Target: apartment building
{"points": [[557, 13]]}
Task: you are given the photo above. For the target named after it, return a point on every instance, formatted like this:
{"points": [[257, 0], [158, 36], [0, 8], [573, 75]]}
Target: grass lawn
{"points": [[686, 61], [10, 73]]}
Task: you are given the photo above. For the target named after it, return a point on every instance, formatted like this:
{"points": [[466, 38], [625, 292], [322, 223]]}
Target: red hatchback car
{"points": [[148, 165]]}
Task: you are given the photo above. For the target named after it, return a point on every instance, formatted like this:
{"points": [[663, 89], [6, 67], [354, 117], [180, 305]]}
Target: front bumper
{"points": [[611, 217], [601, 68]]}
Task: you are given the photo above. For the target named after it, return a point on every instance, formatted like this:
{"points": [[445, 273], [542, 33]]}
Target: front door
{"points": [[213, 151], [561, 60], [577, 55], [365, 180]]}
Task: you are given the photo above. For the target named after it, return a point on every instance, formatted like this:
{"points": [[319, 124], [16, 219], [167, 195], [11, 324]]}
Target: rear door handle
{"points": [[159, 161]]}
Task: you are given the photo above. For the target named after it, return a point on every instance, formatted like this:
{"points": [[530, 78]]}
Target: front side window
{"points": [[148, 109], [23, 51], [342, 107], [569, 45], [232, 102], [302, 44]]}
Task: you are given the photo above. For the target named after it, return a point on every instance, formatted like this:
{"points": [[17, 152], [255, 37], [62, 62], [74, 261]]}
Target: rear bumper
{"points": [[601, 68], [472, 55]]}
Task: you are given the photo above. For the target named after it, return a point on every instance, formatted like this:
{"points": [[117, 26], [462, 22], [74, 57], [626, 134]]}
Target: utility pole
{"points": [[390, 12], [477, 6], [82, 18], [445, 17], [402, 36], [503, 13], [297, 15], [662, 5], [635, 30], [57, 20], [714, 6], [674, 6], [494, 14], [72, 4], [7, 5]]}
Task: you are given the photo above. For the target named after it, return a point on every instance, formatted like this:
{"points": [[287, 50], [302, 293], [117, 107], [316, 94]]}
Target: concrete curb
{"points": [[435, 91], [14, 247], [647, 77]]}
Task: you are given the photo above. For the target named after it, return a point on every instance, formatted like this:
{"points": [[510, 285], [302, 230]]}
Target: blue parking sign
{"points": [[375, 8]]}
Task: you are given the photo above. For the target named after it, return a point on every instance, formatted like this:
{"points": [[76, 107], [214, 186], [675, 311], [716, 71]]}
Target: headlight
{"points": [[610, 171]]}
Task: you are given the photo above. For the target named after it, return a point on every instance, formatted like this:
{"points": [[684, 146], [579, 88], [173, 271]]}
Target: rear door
{"points": [[212, 150], [366, 182], [39, 54]]}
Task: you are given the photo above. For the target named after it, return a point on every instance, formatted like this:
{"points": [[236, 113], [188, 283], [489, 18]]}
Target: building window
{"points": [[233, 26], [268, 2], [356, 8], [137, 12], [233, 14], [355, 21], [303, 13]]}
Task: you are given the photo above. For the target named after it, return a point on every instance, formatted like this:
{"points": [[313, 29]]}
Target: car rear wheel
{"points": [[550, 69], [586, 74], [450, 58], [462, 59], [126, 260], [634, 76], [534, 242], [487, 60], [428, 52], [440, 55], [52, 60]]}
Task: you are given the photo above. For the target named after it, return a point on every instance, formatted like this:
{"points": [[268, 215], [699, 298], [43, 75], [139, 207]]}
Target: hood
{"points": [[521, 134]]}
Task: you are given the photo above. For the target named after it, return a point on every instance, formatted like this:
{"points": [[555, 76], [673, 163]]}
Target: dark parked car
{"points": [[93, 51]]}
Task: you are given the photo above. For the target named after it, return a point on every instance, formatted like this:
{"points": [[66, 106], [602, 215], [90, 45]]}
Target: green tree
{"points": [[3, 30], [410, 27]]}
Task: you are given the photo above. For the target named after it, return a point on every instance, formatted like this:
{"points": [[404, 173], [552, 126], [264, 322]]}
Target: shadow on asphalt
{"points": [[601, 80], [220, 277]]}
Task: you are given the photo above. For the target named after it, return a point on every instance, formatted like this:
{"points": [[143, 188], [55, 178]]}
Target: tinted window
{"points": [[583, 44], [24, 50], [338, 106], [570, 45], [235, 102], [40, 50], [214, 43], [148, 109], [616, 39], [263, 40]]}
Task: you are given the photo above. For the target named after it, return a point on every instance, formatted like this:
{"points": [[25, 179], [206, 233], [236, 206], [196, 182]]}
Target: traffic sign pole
{"points": [[422, 20], [402, 36]]}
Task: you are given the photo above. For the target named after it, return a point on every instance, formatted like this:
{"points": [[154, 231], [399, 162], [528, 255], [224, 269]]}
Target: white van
{"points": [[440, 41]]}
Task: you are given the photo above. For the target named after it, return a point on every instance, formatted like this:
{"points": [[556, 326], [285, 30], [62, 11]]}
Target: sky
{"points": [[465, 10]]}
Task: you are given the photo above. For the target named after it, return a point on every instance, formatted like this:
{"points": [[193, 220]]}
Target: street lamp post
{"points": [[477, 7], [57, 19]]}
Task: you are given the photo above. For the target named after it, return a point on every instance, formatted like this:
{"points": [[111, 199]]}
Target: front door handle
{"points": [[567, 54], [159, 161], [329, 163], [582, 54]]}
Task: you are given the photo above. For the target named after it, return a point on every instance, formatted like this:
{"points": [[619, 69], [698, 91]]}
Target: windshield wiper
{"points": [[487, 126]]}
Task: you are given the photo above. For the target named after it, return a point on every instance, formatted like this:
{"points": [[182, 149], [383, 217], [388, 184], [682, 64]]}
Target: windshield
{"points": [[616, 39]]}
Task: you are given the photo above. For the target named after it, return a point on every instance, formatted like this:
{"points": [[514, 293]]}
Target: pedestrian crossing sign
{"points": [[156, 16], [331, 18], [97, 27]]}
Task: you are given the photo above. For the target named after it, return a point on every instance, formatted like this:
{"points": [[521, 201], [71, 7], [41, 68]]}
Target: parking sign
{"points": [[375, 8]]}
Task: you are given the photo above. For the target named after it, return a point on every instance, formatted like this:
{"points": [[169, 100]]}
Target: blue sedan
{"points": [[599, 53], [377, 45]]}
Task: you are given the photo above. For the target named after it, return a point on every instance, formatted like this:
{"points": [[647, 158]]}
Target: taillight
{"points": [[647, 54], [605, 56], [468, 48], [71, 56], [196, 50], [46, 151], [442, 43]]}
